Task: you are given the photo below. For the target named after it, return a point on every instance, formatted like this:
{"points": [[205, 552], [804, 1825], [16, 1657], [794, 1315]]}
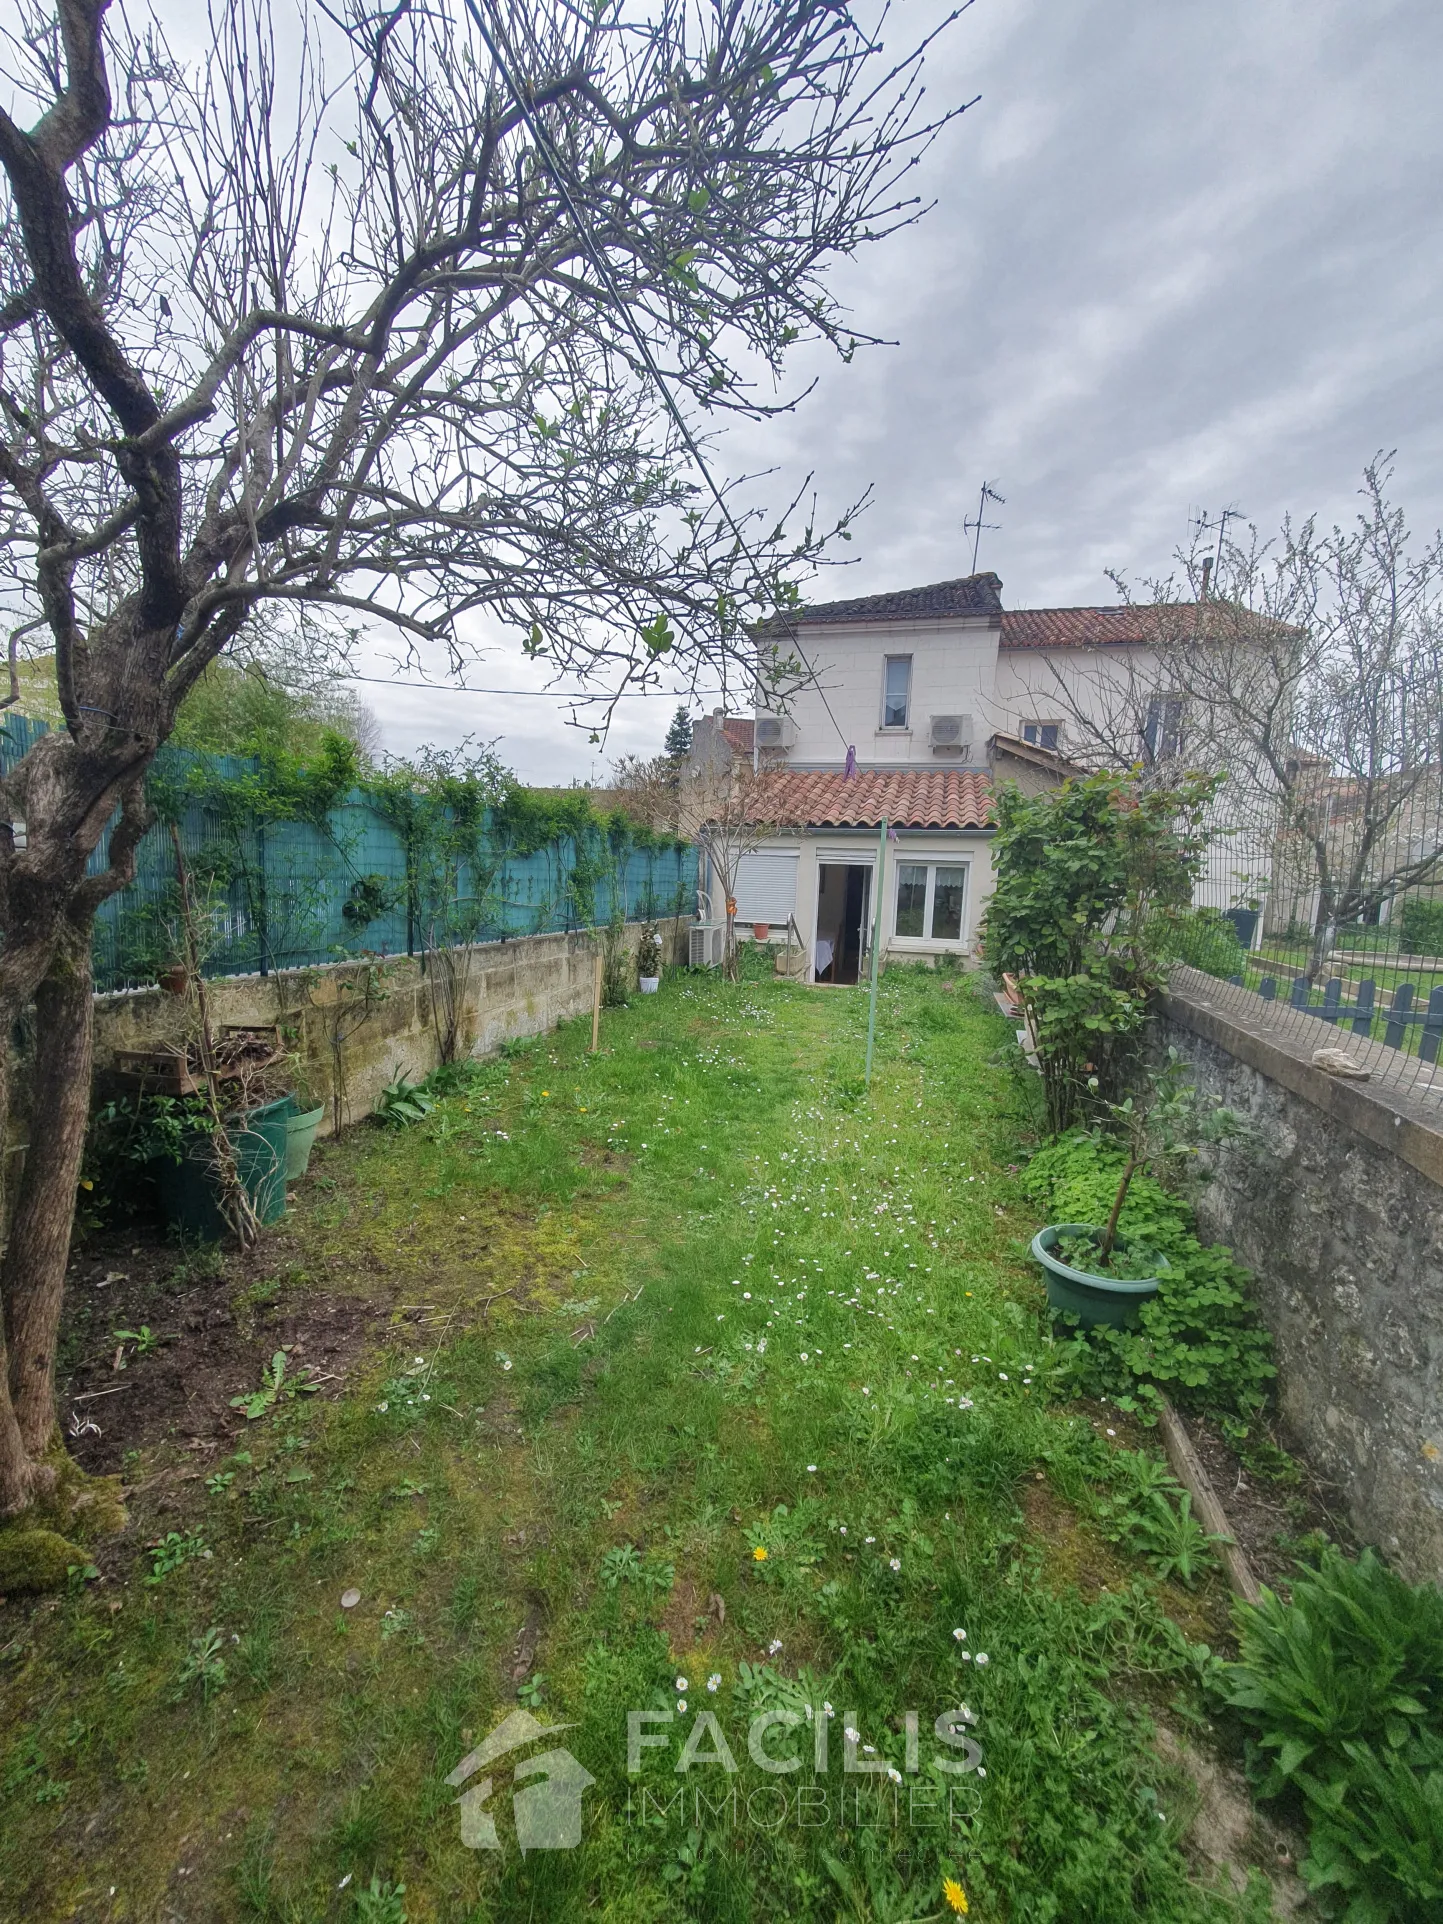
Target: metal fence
{"points": [[1392, 1028], [294, 894]]}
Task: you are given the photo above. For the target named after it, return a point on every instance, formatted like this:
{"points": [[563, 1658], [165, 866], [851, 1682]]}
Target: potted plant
{"points": [[648, 960], [1098, 1273]]}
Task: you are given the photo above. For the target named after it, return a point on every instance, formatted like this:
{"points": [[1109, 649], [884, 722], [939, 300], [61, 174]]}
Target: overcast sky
{"points": [[1182, 257]]}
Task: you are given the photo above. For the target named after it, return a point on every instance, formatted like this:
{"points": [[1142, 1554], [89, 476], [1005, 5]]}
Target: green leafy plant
{"points": [[1204, 939], [370, 898], [1163, 1122], [274, 1384], [171, 1552], [379, 1902], [1342, 1689], [144, 1339], [1086, 876], [403, 1102], [204, 1665], [648, 952], [1199, 1340], [1422, 927]]}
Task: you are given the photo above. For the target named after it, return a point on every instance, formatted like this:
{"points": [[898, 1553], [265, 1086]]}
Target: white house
{"points": [[935, 694]]}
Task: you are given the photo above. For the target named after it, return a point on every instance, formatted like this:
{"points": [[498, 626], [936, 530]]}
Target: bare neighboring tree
{"points": [[736, 810], [277, 346], [1310, 669], [648, 789]]}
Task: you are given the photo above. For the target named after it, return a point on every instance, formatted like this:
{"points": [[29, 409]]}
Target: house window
{"points": [[896, 690], [930, 897], [1162, 732], [1042, 734]]}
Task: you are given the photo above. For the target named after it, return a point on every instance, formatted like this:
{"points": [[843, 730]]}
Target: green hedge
{"points": [[1422, 927]]}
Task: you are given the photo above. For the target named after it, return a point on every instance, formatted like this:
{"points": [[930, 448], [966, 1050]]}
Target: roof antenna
{"points": [[989, 493]]}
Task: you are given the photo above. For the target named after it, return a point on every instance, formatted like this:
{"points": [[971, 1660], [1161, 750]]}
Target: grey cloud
{"points": [[1181, 256]]}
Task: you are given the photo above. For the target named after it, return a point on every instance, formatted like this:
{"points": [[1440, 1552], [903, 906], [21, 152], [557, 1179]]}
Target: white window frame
{"points": [[1035, 721], [903, 727], [946, 943]]}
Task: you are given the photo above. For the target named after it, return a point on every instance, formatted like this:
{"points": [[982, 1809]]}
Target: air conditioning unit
{"points": [[952, 734], [706, 945], [775, 731]]}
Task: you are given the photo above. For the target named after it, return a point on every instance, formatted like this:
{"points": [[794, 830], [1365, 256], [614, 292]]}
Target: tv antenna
{"points": [[1203, 524], [988, 493]]}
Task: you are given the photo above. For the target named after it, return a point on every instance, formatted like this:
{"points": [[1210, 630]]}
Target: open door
{"points": [[844, 893]]}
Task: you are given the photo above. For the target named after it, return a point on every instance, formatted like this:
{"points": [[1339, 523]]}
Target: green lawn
{"points": [[765, 1422]]}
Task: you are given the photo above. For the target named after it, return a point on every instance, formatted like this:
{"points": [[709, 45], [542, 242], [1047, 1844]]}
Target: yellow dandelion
{"points": [[955, 1895], [759, 1555]]}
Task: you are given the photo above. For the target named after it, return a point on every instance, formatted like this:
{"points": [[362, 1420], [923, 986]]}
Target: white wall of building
{"points": [[954, 666], [858, 847]]}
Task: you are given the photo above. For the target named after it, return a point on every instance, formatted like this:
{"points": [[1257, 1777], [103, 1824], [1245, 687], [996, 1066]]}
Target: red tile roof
{"points": [[1075, 627], [738, 733], [905, 797]]}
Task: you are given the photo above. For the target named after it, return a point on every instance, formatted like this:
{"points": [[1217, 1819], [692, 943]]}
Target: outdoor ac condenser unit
{"points": [[775, 731], [952, 734], [706, 944]]}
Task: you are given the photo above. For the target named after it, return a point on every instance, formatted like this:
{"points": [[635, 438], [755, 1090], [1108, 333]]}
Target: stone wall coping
{"points": [[500, 945], [1394, 1118]]}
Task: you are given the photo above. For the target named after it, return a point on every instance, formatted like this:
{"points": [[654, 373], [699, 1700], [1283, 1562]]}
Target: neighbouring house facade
{"points": [[909, 710]]}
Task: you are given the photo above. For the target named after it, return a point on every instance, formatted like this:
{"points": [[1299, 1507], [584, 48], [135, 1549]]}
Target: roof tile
{"points": [[1075, 627], [905, 797]]}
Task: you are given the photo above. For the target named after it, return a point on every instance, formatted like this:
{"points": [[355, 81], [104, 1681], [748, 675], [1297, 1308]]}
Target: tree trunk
{"points": [[39, 1245], [16, 1469]]}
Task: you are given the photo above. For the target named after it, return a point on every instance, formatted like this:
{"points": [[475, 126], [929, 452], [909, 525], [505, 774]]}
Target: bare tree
{"points": [[736, 810], [1310, 669], [284, 348]]}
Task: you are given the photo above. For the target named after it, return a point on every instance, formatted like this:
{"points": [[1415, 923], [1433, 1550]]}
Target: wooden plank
{"points": [[1187, 1467], [1396, 1033], [1363, 1010], [1432, 1027]]}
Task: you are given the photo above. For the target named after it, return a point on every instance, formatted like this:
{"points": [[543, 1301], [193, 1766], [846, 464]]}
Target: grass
{"points": [[692, 1360]]}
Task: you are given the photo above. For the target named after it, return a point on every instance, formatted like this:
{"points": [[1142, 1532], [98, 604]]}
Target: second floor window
{"points": [[1042, 734], [896, 690], [1162, 731]]}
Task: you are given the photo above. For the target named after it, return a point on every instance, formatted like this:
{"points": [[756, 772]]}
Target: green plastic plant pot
{"points": [[300, 1140], [190, 1192], [1092, 1299]]}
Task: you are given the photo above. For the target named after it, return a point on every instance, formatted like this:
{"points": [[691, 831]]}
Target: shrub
{"points": [[1086, 875], [1199, 1339], [1343, 1691], [1422, 927], [1203, 939]]}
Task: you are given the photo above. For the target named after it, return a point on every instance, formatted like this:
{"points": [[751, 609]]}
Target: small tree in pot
{"points": [[648, 959], [1093, 1271]]}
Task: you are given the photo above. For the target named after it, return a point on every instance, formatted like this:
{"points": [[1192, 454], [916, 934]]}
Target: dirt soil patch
{"points": [[1266, 1517], [214, 1324]]}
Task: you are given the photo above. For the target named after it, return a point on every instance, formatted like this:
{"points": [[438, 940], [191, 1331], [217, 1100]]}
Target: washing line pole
{"points": [[876, 948]]}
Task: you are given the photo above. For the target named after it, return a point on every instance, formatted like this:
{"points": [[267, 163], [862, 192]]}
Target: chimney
{"points": [[1207, 575]]}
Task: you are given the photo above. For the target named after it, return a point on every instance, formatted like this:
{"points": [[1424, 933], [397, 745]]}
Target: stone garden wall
{"points": [[1335, 1201], [358, 1025]]}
